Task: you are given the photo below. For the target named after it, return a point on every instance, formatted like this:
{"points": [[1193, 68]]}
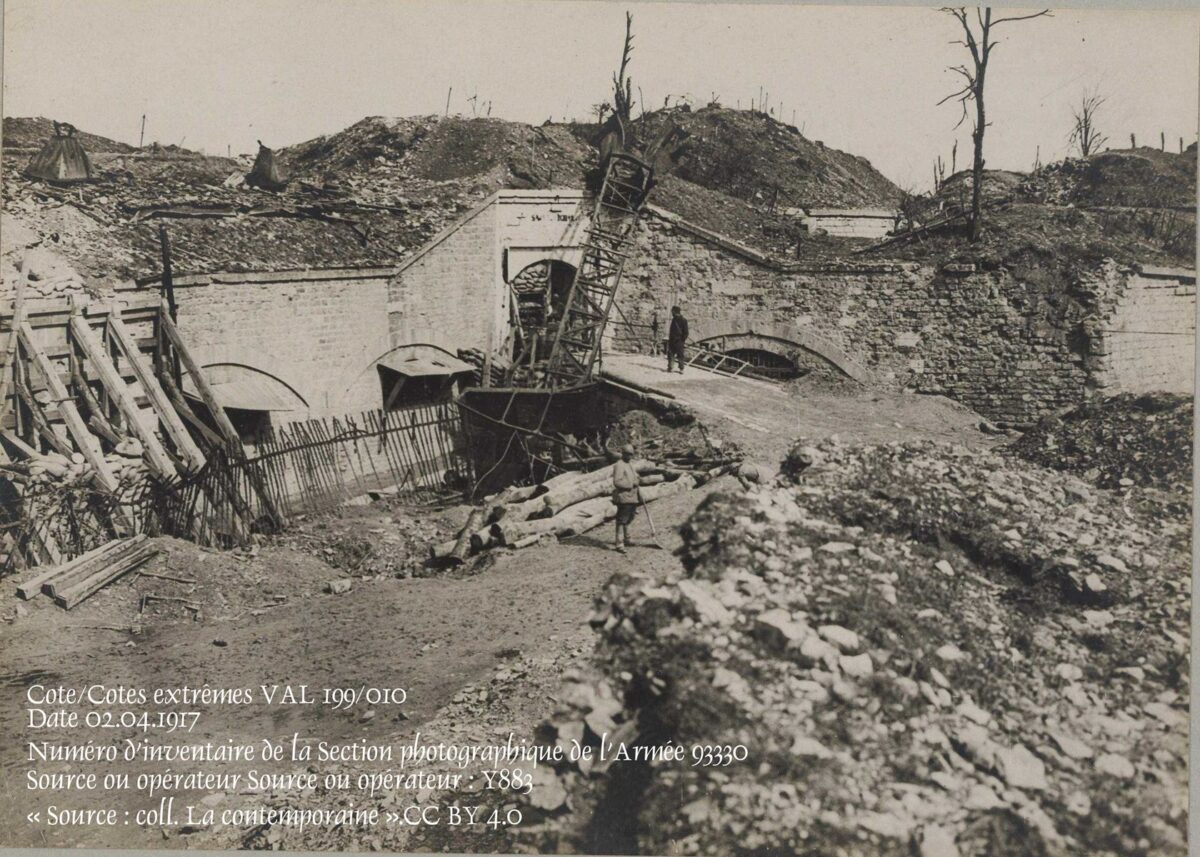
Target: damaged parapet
{"points": [[62, 158], [266, 172]]}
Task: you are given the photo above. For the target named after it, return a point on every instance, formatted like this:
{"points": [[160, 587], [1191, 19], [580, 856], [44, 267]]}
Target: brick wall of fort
{"points": [[985, 338], [317, 332]]}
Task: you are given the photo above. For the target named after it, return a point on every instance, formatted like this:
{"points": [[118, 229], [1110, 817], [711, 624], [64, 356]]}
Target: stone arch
{"points": [[365, 382], [540, 290], [255, 401], [255, 359], [794, 343], [254, 381]]}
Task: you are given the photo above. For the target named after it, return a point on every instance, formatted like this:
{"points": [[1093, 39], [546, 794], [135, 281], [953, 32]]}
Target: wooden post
{"points": [[168, 285], [93, 350], [69, 413], [224, 426], [19, 317], [172, 424]]}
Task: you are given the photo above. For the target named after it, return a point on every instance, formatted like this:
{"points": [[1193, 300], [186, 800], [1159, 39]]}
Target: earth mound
{"points": [[31, 132]]}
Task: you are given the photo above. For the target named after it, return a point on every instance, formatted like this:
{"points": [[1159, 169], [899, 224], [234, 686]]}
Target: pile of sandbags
{"points": [[127, 462], [53, 469], [567, 505]]}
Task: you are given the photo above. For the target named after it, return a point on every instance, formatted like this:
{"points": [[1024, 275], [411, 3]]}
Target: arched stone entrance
{"points": [[255, 401], [781, 358], [540, 292]]}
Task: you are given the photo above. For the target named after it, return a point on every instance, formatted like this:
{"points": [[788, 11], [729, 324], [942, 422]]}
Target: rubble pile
{"points": [[1118, 442], [1141, 177], [683, 444], [353, 541], [922, 649], [433, 160], [754, 157], [32, 133]]}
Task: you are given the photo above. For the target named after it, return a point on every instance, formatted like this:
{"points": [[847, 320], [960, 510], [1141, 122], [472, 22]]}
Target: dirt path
{"points": [[444, 639], [431, 636], [764, 418]]}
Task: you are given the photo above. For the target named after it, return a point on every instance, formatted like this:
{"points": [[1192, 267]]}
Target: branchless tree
{"points": [[978, 27], [1084, 132]]}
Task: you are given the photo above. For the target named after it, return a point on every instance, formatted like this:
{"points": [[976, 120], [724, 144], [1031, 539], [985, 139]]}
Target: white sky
{"points": [[216, 73]]}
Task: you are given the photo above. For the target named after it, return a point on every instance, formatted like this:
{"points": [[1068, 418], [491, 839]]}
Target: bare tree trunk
{"points": [[977, 168]]}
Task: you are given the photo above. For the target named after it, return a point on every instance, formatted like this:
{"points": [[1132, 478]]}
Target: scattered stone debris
{"points": [[1115, 442], [959, 716]]}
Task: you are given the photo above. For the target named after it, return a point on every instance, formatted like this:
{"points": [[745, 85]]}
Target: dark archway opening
{"points": [[539, 294], [767, 363]]}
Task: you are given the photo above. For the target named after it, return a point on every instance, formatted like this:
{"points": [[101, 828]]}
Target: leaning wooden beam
{"points": [[17, 444], [176, 430], [185, 410], [98, 417], [41, 422], [78, 430], [156, 456], [197, 375], [217, 410]]}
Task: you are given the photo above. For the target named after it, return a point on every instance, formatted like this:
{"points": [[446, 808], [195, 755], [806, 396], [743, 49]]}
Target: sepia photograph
{"points": [[597, 427]]}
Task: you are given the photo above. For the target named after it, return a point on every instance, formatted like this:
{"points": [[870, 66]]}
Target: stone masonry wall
{"points": [[981, 337], [1149, 341], [316, 332], [447, 296]]}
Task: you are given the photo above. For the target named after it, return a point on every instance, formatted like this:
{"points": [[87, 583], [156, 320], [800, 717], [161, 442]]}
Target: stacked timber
{"points": [[75, 581], [567, 505]]}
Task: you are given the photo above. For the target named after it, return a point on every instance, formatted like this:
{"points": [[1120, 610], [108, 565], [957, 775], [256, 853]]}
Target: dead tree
{"points": [[978, 39], [622, 83], [1084, 133]]}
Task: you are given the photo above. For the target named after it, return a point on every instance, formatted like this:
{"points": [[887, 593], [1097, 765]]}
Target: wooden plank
{"points": [[91, 585], [78, 430], [191, 455], [41, 423], [85, 565], [202, 387], [156, 456], [185, 410]]}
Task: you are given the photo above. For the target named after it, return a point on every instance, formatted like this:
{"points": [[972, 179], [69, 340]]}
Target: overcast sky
{"points": [[212, 74]]}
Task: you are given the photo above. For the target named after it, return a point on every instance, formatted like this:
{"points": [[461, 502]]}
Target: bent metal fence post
{"points": [[318, 464]]}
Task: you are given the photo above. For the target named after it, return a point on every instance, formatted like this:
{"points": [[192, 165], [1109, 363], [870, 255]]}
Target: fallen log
{"points": [[483, 539], [463, 543], [556, 501], [582, 516], [510, 532]]}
